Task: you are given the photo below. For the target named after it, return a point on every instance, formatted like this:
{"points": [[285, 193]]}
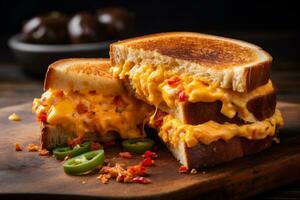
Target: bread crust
{"points": [[204, 51], [201, 112], [54, 136], [220, 151], [257, 75], [261, 107], [80, 74], [230, 63]]}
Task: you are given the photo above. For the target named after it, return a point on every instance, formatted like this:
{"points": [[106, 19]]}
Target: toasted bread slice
{"points": [[81, 74], [212, 143], [218, 152], [83, 101], [261, 107], [229, 63]]}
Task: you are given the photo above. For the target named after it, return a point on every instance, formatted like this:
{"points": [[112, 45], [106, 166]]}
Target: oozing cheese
{"points": [[156, 85], [90, 112], [172, 130]]}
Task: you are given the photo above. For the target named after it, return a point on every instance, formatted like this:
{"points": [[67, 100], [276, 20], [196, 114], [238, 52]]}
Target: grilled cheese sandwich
{"points": [[101, 108], [210, 93]]}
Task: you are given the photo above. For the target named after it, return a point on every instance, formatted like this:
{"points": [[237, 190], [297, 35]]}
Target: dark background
{"points": [[270, 24]]}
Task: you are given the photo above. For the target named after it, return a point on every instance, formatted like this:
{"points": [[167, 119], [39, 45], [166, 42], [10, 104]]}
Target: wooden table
{"points": [[16, 88]]}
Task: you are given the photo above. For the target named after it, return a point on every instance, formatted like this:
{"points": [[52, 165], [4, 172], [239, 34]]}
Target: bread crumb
{"points": [[14, 117], [83, 182], [193, 171], [276, 140], [104, 178], [18, 147]]}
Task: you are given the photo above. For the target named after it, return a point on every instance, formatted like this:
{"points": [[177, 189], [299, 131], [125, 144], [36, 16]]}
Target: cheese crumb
{"points": [[104, 178], [14, 117], [32, 147], [44, 152]]}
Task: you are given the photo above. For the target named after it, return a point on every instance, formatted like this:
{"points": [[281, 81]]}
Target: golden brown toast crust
{"points": [[227, 62], [102, 69], [89, 69], [257, 75], [261, 107], [206, 50], [220, 151]]}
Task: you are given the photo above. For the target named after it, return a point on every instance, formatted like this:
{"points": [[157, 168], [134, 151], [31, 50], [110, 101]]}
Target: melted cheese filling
{"points": [[152, 84], [172, 130], [91, 112]]}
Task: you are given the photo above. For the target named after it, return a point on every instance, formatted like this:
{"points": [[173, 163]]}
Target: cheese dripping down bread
{"points": [[82, 100]]}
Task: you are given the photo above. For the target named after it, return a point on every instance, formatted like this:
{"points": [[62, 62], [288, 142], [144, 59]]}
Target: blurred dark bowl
{"points": [[35, 58]]}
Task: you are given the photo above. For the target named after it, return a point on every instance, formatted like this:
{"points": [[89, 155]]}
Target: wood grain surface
{"points": [[28, 174]]}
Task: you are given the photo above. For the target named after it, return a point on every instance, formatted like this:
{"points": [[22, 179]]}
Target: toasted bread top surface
{"points": [[206, 50], [88, 66], [82, 74]]}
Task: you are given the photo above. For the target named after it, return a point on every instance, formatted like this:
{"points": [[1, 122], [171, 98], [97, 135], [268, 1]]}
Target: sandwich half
{"points": [[82, 101], [213, 96]]}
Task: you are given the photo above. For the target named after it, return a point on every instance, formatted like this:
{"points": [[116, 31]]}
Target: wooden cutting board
{"points": [[27, 173]]}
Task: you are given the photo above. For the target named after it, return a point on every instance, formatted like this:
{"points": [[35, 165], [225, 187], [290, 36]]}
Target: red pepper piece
{"points": [[59, 93], [72, 143], [137, 170], [147, 162], [95, 146], [109, 143], [173, 81], [182, 96], [159, 118], [141, 180], [150, 154], [42, 117], [183, 169], [125, 154], [18, 147]]}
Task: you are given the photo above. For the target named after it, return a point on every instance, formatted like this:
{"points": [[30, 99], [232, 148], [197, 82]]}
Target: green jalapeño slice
{"points": [[61, 152], [138, 145], [84, 163]]}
